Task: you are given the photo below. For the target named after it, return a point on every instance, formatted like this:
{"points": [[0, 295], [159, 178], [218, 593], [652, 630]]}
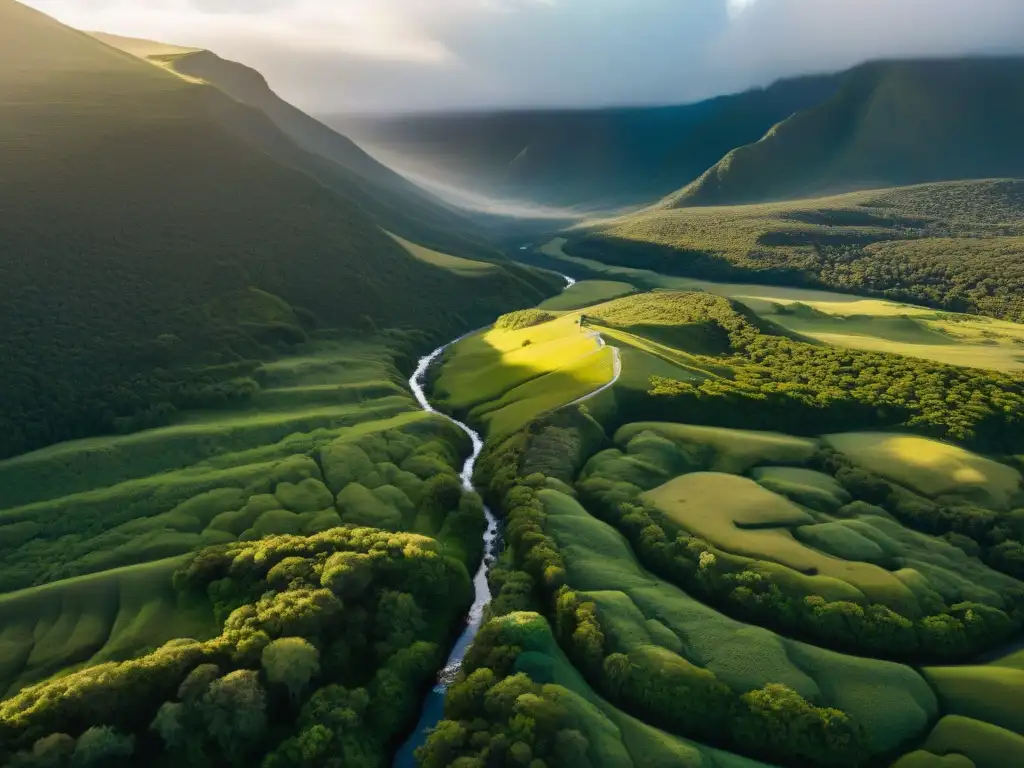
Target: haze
{"points": [[411, 55]]}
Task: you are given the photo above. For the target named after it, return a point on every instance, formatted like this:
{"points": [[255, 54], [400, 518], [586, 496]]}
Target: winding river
{"points": [[433, 706]]}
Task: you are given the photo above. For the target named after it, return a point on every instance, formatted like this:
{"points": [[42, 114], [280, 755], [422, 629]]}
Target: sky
{"points": [[332, 56]]}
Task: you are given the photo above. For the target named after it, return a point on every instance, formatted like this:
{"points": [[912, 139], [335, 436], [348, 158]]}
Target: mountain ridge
{"points": [[891, 123]]}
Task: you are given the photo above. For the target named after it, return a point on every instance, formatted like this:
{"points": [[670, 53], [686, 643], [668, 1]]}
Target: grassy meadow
{"points": [[737, 558], [503, 379], [852, 321]]}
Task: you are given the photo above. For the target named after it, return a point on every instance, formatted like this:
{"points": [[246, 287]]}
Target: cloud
{"points": [[343, 55], [773, 37]]}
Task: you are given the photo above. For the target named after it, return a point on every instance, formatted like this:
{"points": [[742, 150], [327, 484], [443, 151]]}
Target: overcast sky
{"points": [[397, 55]]}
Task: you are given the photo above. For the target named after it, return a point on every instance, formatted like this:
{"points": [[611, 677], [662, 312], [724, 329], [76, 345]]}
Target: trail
{"points": [[433, 706]]}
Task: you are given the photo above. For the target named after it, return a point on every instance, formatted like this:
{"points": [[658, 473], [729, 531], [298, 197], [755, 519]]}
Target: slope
{"points": [[890, 123], [295, 138], [144, 243], [949, 245], [589, 157]]}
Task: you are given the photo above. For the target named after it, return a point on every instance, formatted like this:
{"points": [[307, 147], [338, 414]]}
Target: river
{"points": [[433, 706]]}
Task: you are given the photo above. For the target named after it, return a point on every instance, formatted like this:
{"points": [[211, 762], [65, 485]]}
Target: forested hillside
{"points": [[296, 139], [595, 157], [889, 123], [953, 246], [148, 253]]}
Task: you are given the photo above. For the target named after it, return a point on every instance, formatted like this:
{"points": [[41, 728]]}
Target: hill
{"points": [[150, 251], [294, 138], [952, 245], [588, 157], [889, 123]]}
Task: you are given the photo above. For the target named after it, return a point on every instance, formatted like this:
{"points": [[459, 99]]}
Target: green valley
{"points": [[302, 465]]}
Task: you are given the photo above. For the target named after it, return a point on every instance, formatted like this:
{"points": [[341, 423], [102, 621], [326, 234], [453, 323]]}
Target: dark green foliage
{"points": [[737, 587], [781, 384], [159, 231], [993, 536], [951, 246], [523, 318], [328, 644]]}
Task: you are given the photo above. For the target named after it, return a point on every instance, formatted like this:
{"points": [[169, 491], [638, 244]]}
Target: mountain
{"points": [[595, 157], [294, 138], [158, 234], [890, 123]]}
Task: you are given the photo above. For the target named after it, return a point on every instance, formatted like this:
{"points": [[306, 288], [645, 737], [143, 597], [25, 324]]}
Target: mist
{"points": [[333, 56]]}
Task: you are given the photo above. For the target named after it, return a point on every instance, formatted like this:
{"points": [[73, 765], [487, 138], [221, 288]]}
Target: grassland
{"points": [[990, 694], [455, 264], [735, 450], [964, 742], [692, 562], [841, 319], [931, 467], [739, 516], [951, 247], [89, 620], [505, 378], [600, 562], [586, 292]]}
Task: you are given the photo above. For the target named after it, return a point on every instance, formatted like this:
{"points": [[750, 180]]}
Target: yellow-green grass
{"points": [[544, 394], [600, 560], [585, 293], [109, 616], [505, 378], [370, 473], [921, 759], [848, 320], [932, 564], [483, 367], [974, 342], [984, 744], [737, 450], [931, 467], [805, 486], [456, 264], [1012, 660], [991, 694], [738, 515]]}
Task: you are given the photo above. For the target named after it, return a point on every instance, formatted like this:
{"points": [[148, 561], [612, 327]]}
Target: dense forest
{"points": [[775, 382], [949, 246], [327, 641], [154, 253]]}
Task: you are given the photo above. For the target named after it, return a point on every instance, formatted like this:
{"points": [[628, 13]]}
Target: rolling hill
{"points": [[890, 123], [589, 157], [948, 245], [160, 234]]}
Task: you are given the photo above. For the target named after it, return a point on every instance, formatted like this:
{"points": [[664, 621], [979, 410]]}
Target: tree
{"points": [[235, 711], [51, 751], [443, 746], [169, 724], [198, 680], [102, 746], [291, 662]]}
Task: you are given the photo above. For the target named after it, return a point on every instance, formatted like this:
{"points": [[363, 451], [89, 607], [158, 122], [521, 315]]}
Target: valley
{"points": [[303, 465]]}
